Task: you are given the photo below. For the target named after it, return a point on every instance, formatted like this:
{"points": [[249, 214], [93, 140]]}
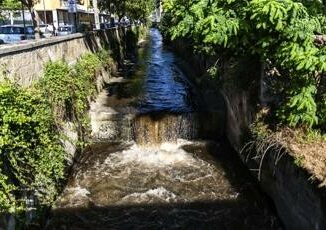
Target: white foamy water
{"points": [[74, 197], [140, 175], [78, 191], [156, 195], [166, 154]]}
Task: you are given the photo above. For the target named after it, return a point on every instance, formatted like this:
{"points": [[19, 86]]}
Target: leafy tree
{"points": [[29, 4], [10, 4], [135, 9], [280, 32]]}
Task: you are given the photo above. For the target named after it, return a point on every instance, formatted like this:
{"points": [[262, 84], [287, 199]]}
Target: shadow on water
{"points": [[161, 182], [239, 205], [218, 215]]}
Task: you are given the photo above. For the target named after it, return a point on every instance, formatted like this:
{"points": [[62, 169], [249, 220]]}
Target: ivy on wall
{"points": [[32, 159]]}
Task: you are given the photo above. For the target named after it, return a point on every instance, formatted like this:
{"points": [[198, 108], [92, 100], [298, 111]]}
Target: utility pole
{"points": [[23, 13], [96, 15], [44, 12]]}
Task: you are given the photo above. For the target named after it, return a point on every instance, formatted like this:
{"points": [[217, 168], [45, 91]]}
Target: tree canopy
{"points": [[134, 9], [16, 4], [10, 4], [280, 32]]}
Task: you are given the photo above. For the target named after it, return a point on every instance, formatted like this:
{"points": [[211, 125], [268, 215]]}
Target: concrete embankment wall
{"points": [[300, 204], [24, 62]]}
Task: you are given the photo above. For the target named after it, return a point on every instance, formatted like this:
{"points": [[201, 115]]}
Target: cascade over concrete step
{"points": [[117, 120]]}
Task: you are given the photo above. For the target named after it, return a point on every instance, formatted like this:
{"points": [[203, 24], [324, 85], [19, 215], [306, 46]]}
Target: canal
{"points": [[158, 161]]}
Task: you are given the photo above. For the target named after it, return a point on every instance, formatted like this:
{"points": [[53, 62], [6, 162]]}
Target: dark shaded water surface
{"points": [[162, 177], [165, 87]]}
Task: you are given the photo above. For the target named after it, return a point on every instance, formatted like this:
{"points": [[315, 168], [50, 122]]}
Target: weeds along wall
{"points": [[44, 124]]}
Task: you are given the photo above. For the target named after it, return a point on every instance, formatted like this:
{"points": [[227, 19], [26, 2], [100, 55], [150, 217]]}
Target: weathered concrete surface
{"points": [[300, 204], [24, 62]]}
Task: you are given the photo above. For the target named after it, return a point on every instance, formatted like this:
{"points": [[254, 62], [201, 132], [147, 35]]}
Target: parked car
{"points": [[30, 34], [65, 30], [105, 26], [46, 30], [15, 33]]}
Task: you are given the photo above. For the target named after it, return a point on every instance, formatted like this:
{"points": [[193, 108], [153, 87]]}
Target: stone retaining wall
{"points": [[24, 62]]}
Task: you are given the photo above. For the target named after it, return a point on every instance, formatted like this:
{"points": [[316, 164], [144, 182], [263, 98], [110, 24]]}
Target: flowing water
{"points": [[149, 170]]}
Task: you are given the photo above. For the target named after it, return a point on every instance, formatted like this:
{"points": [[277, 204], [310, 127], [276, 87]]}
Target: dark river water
{"points": [[165, 86], [157, 173]]}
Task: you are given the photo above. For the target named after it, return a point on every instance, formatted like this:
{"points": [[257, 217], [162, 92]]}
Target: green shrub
{"points": [[31, 155], [68, 88], [105, 58], [32, 158], [321, 113], [301, 108], [85, 87], [58, 86]]}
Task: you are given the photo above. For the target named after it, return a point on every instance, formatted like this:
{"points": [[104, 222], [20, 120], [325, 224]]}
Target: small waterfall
{"points": [[151, 129], [157, 128], [153, 164]]}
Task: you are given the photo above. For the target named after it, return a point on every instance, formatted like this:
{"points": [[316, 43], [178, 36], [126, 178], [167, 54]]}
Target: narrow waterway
{"points": [[150, 167], [165, 87]]}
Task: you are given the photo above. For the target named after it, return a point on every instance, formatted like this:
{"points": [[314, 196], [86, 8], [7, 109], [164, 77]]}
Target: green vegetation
{"points": [[134, 9], [281, 33], [10, 4], [68, 88], [32, 159], [31, 156]]}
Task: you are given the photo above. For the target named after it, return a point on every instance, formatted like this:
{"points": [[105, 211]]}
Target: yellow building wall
{"points": [[48, 4], [58, 4]]}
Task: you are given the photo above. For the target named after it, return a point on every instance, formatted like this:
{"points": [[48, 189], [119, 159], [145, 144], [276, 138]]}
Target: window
{"points": [[12, 30]]}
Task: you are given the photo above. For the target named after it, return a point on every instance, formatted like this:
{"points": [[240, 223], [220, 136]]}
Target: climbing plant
{"points": [[69, 87], [280, 32], [31, 156]]}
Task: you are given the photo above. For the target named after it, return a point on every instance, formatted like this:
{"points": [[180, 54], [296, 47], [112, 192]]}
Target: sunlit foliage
{"points": [[280, 32]]}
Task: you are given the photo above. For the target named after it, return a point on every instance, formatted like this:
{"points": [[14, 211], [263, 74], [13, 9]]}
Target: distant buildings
{"points": [[59, 12]]}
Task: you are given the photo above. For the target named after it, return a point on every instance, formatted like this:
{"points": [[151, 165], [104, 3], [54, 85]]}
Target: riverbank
{"points": [[288, 163], [45, 123], [147, 168], [306, 147]]}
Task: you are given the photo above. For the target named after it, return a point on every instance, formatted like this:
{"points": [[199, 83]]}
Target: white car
{"points": [[15, 33], [65, 30], [46, 30]]}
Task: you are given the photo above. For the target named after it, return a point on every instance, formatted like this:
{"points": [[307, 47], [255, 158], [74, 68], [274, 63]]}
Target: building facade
{"points": [[67, 12]]}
